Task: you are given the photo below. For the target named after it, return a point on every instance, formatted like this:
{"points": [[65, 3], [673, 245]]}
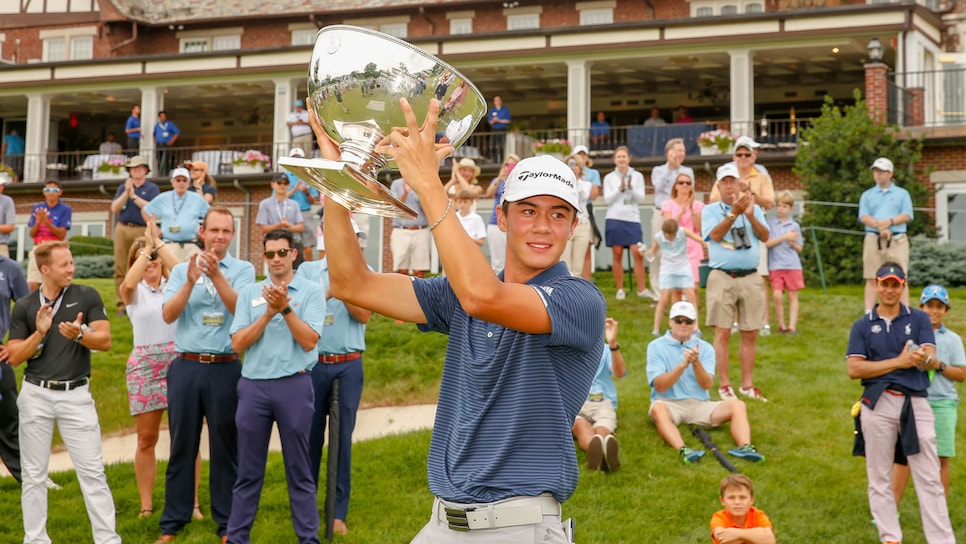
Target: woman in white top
{"points": [[142, 291], [623, 194], [578, 246]]}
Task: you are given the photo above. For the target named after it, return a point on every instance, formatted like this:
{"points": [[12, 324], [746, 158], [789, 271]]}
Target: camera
{"points": [[739, 235]]}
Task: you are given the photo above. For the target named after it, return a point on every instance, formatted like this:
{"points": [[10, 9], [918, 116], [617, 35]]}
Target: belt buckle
{"points": [[206, 358], [456, 519]]}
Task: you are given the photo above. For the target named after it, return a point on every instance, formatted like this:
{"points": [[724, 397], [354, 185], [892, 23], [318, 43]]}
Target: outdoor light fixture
{"points": [[875, 50]]}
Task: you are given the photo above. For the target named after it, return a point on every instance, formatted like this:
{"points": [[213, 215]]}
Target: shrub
{"points": [[86, 246], [929, 262], [94, 266]]}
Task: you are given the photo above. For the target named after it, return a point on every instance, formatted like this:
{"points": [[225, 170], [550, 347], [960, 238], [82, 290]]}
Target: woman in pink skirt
{"points": [[142, 291]]}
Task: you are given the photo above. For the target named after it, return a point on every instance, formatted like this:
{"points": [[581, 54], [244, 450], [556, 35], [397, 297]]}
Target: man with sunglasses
{"points": [[201, 297], [734, 228], [179, 213], [277, 323], [680, 371], [281, 212], [49, 220]]}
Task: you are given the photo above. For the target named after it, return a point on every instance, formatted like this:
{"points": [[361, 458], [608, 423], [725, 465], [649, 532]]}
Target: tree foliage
{"points": [[833, 163]]}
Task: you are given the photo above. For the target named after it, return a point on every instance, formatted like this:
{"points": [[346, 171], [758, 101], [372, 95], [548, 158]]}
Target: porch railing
{"points": [[931, 98]]}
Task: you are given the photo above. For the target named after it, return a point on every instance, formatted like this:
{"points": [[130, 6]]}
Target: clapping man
{"points": [[49, 221]]}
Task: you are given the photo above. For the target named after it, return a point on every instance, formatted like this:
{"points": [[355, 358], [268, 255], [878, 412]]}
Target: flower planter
{"points": [[714, 151], [558, 156], [246, 168], [109, 175]]}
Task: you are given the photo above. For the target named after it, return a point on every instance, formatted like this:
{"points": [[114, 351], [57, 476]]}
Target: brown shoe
{"points": [[339, 528], [164, 538]]}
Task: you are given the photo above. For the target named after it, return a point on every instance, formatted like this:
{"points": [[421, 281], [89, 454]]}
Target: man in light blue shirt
{"points": [[200, 297], [179, 212], [306, 195], [885, 210], [340, 352], [734, 228], [277, 323], [680, 370], [597, 420]]}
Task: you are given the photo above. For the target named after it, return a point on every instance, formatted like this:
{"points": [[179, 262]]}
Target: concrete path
{"points": [[370, 423]]}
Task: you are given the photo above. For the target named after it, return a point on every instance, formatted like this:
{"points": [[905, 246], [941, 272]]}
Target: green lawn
{"points": [[809, 485]]}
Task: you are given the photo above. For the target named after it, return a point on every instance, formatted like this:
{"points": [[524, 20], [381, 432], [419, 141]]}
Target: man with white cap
{"points": [[745, 158], [179, 212], [734, 228], [885, 210], [532, 336], [306, 196], [298, 124], [680, 370]]}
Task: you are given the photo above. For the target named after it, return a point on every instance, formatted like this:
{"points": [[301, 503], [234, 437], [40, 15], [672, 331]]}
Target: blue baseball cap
{"points": [[894, 272], [935, 292], [299, 104]]}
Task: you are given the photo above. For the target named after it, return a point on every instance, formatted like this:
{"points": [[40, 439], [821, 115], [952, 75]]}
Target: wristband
{"points": [[616, 347], [286, 310]]}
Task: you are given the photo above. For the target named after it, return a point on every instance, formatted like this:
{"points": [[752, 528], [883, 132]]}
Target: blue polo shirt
{"points": [[886, 203], [949, 349], [665, 353], [165, 132], [205, 324], [502, 112], [180, 216], [722, 254], [60, 215], [783, 256], [341, 332], [276, 354], [603, 385], [304, 204], [133, 122], [130, 213], [876, 339], [507, 399], [593, 176]]}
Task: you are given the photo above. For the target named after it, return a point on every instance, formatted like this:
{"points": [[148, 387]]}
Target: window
{"points": [[596, 13], [304, 36], [216, 39], [394, 26], [398, 30], [711, 8], [520, 18], [754, 7], [461, 26], [68, 43], [704, 12], [729, 10]]}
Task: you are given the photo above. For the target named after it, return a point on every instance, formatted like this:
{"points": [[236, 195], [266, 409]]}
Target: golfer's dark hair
{"points": [[739, 481], [279, 234]]}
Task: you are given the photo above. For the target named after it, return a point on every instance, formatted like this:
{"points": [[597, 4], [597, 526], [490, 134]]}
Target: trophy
{"points": [[356, 78]]}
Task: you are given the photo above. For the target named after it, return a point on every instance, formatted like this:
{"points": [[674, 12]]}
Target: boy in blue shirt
{"points": [[784, 265], [942, 386]]}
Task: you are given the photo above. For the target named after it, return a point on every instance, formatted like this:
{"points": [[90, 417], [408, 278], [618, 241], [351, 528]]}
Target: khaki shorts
{"points": [[873, 258], [762, 259], [729, 298], [599, 414], [690, 411], [410, 249], [33, 271]]}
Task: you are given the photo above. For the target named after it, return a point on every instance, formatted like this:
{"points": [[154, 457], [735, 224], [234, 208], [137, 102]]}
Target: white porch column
{"points": [[152, 101], [285, 90], [36, 136], [742, 93], [578, 101]]}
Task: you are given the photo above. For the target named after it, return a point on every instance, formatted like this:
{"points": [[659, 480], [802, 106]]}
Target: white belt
{"points": [[505, 513]]}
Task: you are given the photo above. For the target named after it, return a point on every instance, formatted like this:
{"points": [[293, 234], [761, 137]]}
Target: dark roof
{"points": [[154, 12]]}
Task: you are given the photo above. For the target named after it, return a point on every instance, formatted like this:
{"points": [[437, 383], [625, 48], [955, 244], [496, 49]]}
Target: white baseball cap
{"points": [[883, 164], [746, 142], [726, 170], [683, 308], [579, 148], [296, 152], [541, 175], [180, 172]]}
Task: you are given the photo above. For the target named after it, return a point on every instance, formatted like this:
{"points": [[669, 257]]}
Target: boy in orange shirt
{"points": [[740, 521]]}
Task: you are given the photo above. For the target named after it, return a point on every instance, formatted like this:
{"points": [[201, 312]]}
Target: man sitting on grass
{"points": [[680, 370]]}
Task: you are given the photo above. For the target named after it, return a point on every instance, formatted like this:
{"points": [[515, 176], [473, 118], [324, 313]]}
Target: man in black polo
{"points": [[200, 297], [130, 197], [54, 329]]}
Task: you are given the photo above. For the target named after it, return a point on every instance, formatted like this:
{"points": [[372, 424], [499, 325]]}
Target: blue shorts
{"points": [[622, 233], [676, 281]]}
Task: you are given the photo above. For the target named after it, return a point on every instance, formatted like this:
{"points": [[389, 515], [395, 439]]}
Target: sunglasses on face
{"points": [[280, 252], [742, 155], [197, 169], [684, 182], [282, 182], [682, 321], [51, 190]]}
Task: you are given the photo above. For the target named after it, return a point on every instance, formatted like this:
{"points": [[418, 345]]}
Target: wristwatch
{"points": [[616, 347], [79, 337], [731, 216], [942, 366], [286, 310]]}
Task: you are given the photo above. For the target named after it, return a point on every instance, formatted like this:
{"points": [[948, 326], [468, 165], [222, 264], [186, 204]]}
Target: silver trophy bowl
{"points": [[356, 78]]}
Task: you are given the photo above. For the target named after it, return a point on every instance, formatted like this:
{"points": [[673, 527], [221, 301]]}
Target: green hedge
{"points": [[85, 246], [930, 262]]}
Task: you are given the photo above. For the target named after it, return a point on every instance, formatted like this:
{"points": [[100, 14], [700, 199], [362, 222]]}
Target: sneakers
{"points": [[621, 295], [765, 331], [647, 293], [747, 452], [726, 392], [611, 453], [752, 393], [595, 452], [689, 456], [52, 485]]}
